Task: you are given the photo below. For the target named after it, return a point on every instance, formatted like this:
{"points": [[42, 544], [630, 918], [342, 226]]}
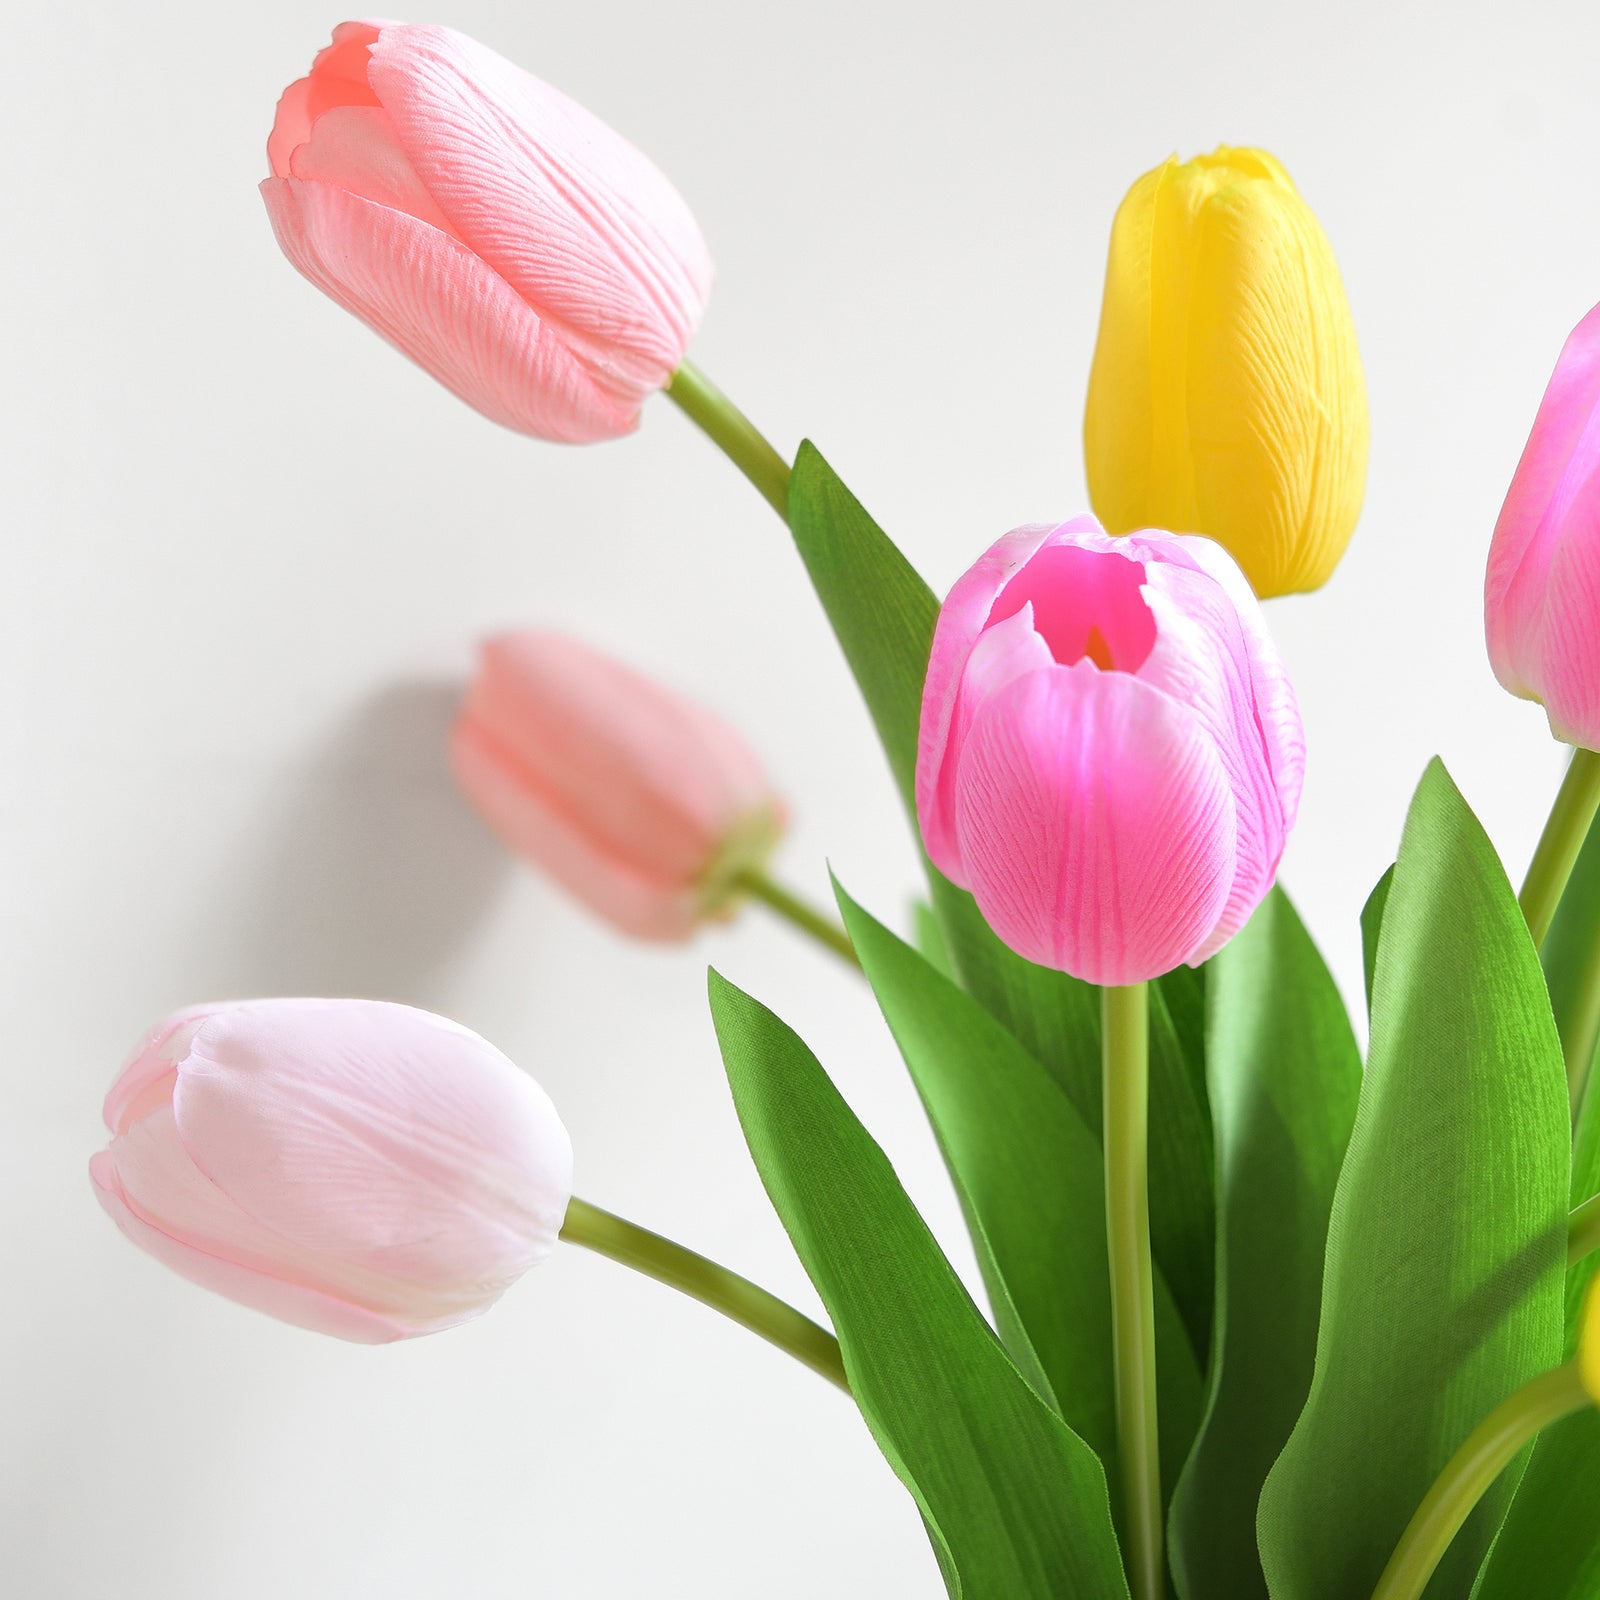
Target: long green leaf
{"points": [[1553, 1526], [1284, 1075], [1371, 927], [1015, 1502], [1030, 1179], [1443, 1285]]}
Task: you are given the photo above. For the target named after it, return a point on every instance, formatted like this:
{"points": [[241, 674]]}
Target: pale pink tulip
{"points": [[354, 1167], [516, 247], [1542, 593], [643, 805], [1110, 754]]}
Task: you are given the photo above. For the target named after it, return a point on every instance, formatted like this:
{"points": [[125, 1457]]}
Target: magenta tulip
{"points": [[362, 1169], [1110, 754], [512, 244], [643, 805], [1542, 593]]}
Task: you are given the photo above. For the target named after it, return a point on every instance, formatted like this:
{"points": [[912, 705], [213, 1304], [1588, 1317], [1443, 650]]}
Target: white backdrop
{"points": [[249, 549]]}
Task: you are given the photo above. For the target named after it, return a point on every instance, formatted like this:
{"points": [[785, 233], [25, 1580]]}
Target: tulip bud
{"points": [[647, 808], [1110, 755], [502, 237], [1589, 1340], [1542, 592], [354, 1167], [1226, 396]]}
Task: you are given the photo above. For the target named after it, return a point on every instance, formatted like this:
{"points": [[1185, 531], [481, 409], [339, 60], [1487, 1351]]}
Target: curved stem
{"points": [[811, 922], [1489, 1448], [1126, 1061], [1583, 1028], [1583, 1230], [776, 1321], [1559, 844], [734, 434]]}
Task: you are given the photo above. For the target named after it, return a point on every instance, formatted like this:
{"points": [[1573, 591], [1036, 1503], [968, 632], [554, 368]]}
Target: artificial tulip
{"points": [[648, 808], [1110, 755], [1226, 396], [516, 247], [355, 1167], [1542, 593]]}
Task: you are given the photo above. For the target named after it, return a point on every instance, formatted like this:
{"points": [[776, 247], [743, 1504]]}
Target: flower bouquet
{"points": [[1263, 1318]]}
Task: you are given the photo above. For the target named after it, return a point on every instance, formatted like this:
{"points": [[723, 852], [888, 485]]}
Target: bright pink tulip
{"points": [[1542, 594], [354, 1167], [645, 806], [1110, 754], [515, 246]]}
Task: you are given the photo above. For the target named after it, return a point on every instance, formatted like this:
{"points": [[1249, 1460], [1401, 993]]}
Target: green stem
{"points": [[1582, 1030], [705, 1281], [1489, 1448], [1126, 1057], [1583, 1230], [734, 434], [813, 923], [1560, 842]]}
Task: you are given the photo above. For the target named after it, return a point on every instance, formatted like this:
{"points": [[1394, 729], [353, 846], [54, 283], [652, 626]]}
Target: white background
{"points": [[248, 550]]}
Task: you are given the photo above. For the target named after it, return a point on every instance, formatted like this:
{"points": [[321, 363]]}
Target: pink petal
{"points": [[640, 905], [146, 1080], [581, 224], [379, 1137], [1202, 661], [434, 300], [1541, 637], [338, 77], [1096, 824], [962, 618], [354, 148], [1003, 652], [288, 1302]]}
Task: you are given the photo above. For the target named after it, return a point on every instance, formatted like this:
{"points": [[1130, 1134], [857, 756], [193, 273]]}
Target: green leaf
{"points": [[1553, 1526], [1443, 1284], [1014, 1501], [883, 615], [1371, 926], [1284, 1075], [929, 940], [1028, 1173]]}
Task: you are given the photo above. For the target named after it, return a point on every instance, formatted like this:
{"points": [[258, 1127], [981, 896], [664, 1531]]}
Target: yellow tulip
{"points": [[1589, 1341], [1226, 396]]}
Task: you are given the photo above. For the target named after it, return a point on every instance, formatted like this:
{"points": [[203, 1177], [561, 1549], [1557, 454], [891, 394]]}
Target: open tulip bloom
{"points": [[1264, 1318]]}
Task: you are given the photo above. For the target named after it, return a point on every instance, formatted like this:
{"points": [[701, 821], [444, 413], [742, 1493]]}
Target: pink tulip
{"points": [[354, 1167], [1542, 594], [644, 806], [515, 246], [1110, 754]]}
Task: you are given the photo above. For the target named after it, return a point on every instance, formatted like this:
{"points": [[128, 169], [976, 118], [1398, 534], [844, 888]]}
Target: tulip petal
{"points": [[433, 299], [143, 1084], [1003, 652], [525, 821], [294, 1303], [379, 1137], [1096, 824], [577, 220], [1539, 592], [355, 148], [1201, 660], [962, 618], [338, 77]]}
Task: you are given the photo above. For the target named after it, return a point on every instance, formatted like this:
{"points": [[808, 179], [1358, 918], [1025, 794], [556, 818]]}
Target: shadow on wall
{"points": [[379, 872]]}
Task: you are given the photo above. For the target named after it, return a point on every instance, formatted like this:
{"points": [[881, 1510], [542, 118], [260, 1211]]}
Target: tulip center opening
{"points": [[1087, 606]]}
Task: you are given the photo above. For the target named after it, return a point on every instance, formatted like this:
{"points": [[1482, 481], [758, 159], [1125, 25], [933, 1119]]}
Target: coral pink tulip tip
{"points": [[355, 1167], [1110, 755], [509, 242]]}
